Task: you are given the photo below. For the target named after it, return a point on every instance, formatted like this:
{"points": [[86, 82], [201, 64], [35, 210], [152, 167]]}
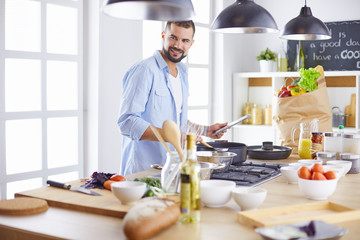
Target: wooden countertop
{"points": [[216, 223]]}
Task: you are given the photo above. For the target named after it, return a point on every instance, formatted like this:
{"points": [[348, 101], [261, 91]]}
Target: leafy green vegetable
{"points": [[295, 83], [308, 79], [153, 186]]}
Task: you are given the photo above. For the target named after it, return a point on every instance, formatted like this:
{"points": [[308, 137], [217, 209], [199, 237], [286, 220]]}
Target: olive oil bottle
{"points": [[190, 184]]}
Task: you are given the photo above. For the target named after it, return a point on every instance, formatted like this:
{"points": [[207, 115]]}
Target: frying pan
{"points": [[268, 152], [239, 148]]}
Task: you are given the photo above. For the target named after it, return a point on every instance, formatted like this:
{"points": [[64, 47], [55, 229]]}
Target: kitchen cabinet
{"points": [[259, 87]]}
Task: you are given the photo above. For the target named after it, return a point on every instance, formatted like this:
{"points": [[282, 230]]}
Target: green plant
{"points": [[267, 55]]}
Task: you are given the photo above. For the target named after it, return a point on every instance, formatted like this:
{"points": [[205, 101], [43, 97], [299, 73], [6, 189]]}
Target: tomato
{"points": [[318, 176], [317, 167], [283, 88], [117, 178], [330, 175], [304, 173], [107, 184]]}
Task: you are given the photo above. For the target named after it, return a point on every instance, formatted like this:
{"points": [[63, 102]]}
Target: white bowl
{"points": [[317, 189], [311, 161], [249, 198], [128, 192], [290, 174], [300, 164], [216, 193], [345, 164], [337, 169]]}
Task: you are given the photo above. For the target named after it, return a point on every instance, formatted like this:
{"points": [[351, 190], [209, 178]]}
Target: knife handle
{"points": [[58, 184]]}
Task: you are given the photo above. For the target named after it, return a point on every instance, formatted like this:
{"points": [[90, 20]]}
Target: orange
{"points": [[330, 175], [317, 167], [107, 184], [304, 173], [318, 176], [117, 178]]}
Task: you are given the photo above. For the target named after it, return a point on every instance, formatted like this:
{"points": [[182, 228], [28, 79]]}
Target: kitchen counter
{"points": [[216, 223]]}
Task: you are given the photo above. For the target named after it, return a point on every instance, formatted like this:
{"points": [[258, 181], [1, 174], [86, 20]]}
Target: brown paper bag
{"points": [[289, 112]]}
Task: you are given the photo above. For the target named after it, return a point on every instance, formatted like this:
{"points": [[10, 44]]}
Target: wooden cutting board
{"points": [[107, 204]]}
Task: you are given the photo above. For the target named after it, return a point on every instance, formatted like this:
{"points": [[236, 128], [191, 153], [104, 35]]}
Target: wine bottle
{"points": [[190, 184], [300, 57]]}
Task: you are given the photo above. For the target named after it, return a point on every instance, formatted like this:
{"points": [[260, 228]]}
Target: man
{"points": [[155, 90]]}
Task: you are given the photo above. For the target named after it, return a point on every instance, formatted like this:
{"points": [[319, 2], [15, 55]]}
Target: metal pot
{"points": [[239, 148], [207, 169], [224, 158]]}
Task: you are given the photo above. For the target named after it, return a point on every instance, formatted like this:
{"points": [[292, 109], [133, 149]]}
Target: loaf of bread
{"points": [[150, 216]]}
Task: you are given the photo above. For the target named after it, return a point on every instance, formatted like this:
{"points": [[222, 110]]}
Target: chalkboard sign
{"points": [[340, 53]]}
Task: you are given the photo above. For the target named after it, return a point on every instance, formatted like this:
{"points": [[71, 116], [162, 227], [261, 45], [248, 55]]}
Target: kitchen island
{"points": [[216, 223]]}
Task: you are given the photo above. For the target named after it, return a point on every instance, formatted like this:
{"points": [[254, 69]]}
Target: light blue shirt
{"points": [[148, 99]]}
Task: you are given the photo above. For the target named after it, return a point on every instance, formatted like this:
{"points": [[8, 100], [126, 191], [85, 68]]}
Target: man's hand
{"points": [[213, 128]]}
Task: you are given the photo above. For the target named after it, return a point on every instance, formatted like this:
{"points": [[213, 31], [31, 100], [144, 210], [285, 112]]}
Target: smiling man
{"points": [[154, 90]]}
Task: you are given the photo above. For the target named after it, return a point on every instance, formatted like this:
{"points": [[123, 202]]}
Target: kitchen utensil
{"points": [[267, 151], [216, 149], [216, 157], [171, 132], [71, 188], [239, 148], [170, 166], [232, 124], [22, 206], [158, 136], [216, 193]]}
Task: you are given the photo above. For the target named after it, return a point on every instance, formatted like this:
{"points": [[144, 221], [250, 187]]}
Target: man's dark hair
{"points": [[184, 24]]}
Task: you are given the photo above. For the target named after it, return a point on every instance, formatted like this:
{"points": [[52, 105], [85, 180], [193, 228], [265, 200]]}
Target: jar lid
{"points": [[326, 155], [332, 134], [351, 135], [349, 156]]}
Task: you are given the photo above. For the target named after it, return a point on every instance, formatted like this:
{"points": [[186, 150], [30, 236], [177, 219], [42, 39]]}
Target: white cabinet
{"points": [[259, 88]]}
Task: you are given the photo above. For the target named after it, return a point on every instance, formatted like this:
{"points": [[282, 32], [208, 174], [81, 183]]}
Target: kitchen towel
{"points": [[289, 112]]}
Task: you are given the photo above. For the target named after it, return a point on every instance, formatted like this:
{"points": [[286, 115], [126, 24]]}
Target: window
{"points": [[40, 93], [197, 61]]}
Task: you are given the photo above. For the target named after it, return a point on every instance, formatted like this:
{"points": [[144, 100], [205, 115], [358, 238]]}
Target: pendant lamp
{"points": [[305, 27], [244, 16], [162, 10]]}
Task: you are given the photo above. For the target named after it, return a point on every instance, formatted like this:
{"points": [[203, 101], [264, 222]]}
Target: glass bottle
{"points": [[300, 57], [282, 63], [190, 184]]}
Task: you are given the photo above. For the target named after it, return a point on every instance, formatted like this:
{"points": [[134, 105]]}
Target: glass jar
{"points": [[169, 181], [268, 115], [257, 114], [247, 110], [326, 156], [351, 143], [333, 142], [316, 143], [354, 159]]}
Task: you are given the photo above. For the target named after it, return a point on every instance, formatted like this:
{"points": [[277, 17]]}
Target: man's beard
{"points": [[174, 60]]}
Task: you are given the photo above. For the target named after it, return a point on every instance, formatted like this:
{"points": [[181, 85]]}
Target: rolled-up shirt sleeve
{"points": [[136, 89]]}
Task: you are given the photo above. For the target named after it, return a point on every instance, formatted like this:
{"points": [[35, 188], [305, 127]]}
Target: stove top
{"points": [[249, 173]]}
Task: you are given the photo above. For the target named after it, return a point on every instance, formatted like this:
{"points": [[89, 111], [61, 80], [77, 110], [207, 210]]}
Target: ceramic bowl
{"points": [[300, 164], [345, 164], [128, 192], [317, 189], [290, 174], [249, 198], [310, 161], [337, 169], [216, 193]]}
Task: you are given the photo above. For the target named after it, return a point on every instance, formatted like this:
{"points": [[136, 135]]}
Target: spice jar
{"points": [[351, 143], [326, 156], [354, 159], [333, 142], [316, 143], [257, 114], [268, 115], [246, 110]]}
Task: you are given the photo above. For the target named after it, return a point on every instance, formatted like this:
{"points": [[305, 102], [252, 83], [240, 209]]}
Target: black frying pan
{"points": [[268, 152]]}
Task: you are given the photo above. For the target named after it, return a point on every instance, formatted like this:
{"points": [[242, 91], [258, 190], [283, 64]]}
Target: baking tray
{"points": [[323, 210]]}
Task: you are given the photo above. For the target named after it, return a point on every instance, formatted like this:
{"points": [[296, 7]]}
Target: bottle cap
{"points": [[341, 127]]}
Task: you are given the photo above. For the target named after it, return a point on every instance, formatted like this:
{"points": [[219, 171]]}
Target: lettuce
{"points": [[308, 79]]}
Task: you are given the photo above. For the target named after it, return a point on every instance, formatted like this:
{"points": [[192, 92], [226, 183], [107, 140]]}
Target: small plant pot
{"points": [[266, 66]]}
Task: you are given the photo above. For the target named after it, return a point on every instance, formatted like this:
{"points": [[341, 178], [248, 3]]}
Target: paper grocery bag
{"points": [[289, 112]]}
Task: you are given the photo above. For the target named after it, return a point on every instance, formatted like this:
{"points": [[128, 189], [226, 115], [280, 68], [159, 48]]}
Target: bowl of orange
{"points": [[315, 183]]}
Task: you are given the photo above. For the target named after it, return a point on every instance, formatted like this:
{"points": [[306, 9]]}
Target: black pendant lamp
{"points": [[162, 10], [244, 16], [305, 27]]}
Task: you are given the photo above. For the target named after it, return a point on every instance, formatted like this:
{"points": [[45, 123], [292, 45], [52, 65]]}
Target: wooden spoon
{"points": [[158, 136], [171, 133]]}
